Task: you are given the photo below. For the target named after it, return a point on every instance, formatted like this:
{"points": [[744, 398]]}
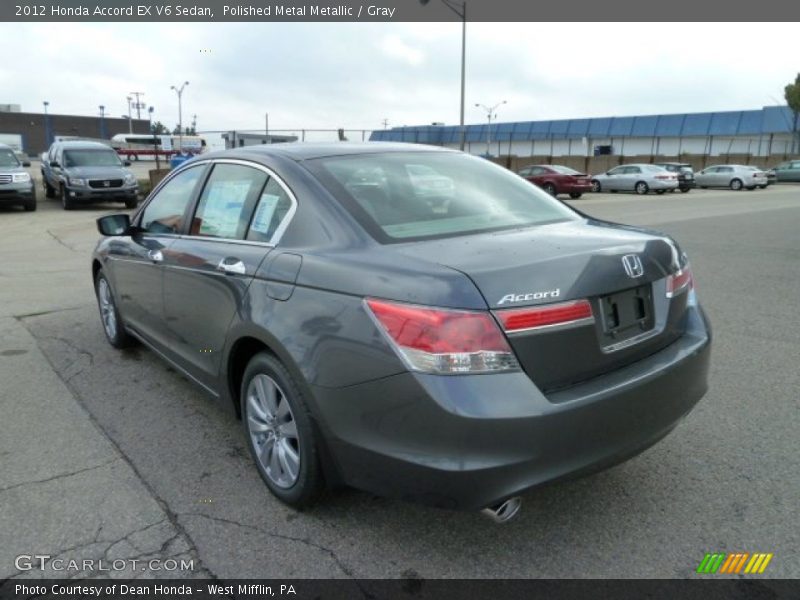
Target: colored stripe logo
{"points": [[734, 563]]}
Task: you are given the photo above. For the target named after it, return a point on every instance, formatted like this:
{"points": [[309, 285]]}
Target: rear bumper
{"points": [[467, 442], [657, 184], [575, 188]]}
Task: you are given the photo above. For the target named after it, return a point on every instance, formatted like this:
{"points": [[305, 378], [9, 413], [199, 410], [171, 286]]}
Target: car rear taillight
{"points": [[563, 313], [444, 341], [680, 281]]}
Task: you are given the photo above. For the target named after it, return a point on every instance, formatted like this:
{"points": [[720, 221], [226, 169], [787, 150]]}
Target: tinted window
{"points": [[227, 201], [166, 212], [617, 171], [91, 158], [475, 195], [525, 172], [273, 207]]}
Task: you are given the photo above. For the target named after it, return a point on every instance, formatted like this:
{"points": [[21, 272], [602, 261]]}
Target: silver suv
{"points": [[16, 185]]}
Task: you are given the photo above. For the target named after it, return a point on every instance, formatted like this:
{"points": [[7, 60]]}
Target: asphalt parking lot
{"points": [[113, 454]]}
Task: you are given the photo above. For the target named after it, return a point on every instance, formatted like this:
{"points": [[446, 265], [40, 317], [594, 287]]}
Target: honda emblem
{"points": [[633, 265]]}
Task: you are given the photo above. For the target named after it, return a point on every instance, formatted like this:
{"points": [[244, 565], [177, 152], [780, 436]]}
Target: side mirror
{"points": [[54, 164], [127, 163], [114, 225], [26, 164]]}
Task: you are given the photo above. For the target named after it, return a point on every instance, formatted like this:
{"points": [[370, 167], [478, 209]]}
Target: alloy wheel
{"points": [[273, 431], [107, 310]]}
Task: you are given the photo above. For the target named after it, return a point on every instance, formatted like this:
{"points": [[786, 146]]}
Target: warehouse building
{"points": [[33, 133], [759, 133]]}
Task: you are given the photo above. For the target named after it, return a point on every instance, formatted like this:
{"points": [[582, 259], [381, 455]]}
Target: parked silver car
{"points": [[639, 178], [735, 177]]}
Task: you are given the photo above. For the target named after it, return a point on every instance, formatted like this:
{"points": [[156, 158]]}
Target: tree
{"points": [[158, 128], [792, 94]]}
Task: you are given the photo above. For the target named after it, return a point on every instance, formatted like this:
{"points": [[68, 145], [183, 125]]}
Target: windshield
{"points": [[8, 159], [395, 205], [564, 170], [91, 158]]}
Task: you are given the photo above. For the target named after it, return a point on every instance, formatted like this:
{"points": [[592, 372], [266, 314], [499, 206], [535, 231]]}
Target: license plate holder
{"points": [[627, 313]]}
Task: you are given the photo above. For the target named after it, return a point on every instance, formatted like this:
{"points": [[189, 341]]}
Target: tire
{"points": [[684, 190], [641, 188], [736, 184], [66, 202], [751, 188], [49, 191], [575, 195], [550, 189], [131, 203], [109, 315], [132, 157], [763, 187], [596, 187], [703, 187], [30, 206], [659, 192], [280, 433]]}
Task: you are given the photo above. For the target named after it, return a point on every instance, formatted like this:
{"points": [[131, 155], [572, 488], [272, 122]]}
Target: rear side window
{"points": [[273, 207], [166, 211], [227, 201], [401, 196]]}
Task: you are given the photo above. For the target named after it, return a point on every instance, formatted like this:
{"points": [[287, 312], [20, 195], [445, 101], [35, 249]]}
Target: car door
{"points": [[793, 172], [537, 175], [208, 270], [630, 177], [137, 262], [705, 178], [613, 178], [723, 176]]}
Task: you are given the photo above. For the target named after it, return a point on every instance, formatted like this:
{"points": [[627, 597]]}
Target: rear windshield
{"points": [[8, 159], [564, 170], [91, 158], [401, 196]]}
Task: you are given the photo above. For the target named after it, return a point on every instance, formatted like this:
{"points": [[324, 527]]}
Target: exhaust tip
{"points": [[505, 511]]}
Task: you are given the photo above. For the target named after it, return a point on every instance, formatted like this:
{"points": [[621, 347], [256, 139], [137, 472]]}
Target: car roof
{"points": [[80, 145], [677, 164], [300, 151], [5, 147]]}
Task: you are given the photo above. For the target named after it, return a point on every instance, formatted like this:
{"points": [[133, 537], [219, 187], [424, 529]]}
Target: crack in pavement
{"points": [[332, 553], [170, 514], [49, 312], [59, 476], [60, 241]]}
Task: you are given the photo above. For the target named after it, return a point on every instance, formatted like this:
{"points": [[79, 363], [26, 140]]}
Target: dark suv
{"points": [[685, 174], [16, 185], [85, 172]]}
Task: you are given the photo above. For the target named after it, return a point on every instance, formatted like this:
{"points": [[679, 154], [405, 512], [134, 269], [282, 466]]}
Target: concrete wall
{"points": [[31, 126]]}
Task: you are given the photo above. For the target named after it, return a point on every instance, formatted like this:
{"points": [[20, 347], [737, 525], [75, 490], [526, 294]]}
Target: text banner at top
{"points": [[397, 11]]}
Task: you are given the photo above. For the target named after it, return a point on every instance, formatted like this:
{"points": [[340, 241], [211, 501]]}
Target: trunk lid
{"points": [[581, 260]]}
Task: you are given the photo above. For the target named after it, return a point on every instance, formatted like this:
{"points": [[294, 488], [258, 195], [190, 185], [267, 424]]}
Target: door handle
{"points": [[232, 266], [155, 255]]}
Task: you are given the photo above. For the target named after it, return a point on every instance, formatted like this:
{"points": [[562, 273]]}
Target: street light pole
{"points": [[130, 118], [460, 9], [266, 126], [179, 91], [491, 111], [46, 123]]}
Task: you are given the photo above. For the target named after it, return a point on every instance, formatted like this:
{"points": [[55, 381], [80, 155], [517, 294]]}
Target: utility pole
{"points": [[266, 126], [102, 121], [179, 91], [385, 123], [130, 119], [139, 105], [491, 112]]}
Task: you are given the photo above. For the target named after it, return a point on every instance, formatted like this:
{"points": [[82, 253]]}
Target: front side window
{"points": [[459, 195], [165, 213], [227, 201], [8, 158], [617, 171], [91, 158]]}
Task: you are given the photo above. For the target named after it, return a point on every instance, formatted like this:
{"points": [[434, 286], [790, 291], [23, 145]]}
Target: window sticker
{"points": [[264, 213]]}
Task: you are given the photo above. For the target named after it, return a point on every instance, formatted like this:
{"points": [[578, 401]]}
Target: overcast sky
{"points": [[313, 75]]}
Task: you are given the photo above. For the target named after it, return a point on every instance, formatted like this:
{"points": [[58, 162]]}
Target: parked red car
{"points": [[558, 179]]}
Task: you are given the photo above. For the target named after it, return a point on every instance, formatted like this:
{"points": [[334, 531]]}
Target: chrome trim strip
{"points": [[631, 341], [553, 326]]}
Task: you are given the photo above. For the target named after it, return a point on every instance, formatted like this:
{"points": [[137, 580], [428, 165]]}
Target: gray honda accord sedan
{"points": [[453, 349]]}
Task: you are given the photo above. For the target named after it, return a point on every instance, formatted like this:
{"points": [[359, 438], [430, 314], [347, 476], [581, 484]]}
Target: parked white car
{"points": [[735, 177], [639, 178]]}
